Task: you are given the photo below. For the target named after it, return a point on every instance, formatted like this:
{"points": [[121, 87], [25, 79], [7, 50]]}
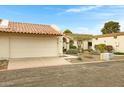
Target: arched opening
{"points": [[64, 44]]}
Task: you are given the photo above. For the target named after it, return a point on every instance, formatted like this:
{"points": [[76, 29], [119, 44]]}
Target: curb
{"points": [[121, 60]]}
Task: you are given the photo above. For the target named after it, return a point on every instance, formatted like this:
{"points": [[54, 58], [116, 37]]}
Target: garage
{"points": [[25, 40]]}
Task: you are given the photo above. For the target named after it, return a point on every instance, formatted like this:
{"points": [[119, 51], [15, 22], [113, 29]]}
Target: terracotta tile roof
{"points": [[109, 35], [30, 28]]}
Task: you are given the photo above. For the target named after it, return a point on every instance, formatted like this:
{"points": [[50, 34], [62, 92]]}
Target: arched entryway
{"points": [[65, 44]]}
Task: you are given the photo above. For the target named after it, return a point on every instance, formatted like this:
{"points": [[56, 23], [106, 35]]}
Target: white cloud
{"points": [[105, 14], [83, 30], [116, 6], [86, 30], [82, 9]]}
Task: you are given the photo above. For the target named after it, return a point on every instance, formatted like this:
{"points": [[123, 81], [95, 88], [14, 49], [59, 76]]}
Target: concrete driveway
{"points": [[105, 74], [36, 62]]}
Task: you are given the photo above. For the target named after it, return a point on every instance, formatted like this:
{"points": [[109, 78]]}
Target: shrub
{"points": [[119, 53], [72, 51], [109, 48], [71, 42], [73, 47], [100, 47], [79, 58], [94, 53], [89, 50]]}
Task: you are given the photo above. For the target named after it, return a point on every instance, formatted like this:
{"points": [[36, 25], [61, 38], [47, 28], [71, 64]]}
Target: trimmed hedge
{"points": [[72, 51], [73, 47], [119, 53]]}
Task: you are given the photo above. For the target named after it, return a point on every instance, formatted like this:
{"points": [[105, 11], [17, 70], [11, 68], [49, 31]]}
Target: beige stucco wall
{"points": [[117, 43], [25, 45], [85, 44], [4, 47], [60, 45], [75, 43]]}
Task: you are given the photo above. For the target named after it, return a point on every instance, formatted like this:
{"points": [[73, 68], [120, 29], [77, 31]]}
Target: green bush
{"points": [[89, 50], [104, 48], [72, 47], [82, 50], [100, 47], [72, 51], [119, 53]]}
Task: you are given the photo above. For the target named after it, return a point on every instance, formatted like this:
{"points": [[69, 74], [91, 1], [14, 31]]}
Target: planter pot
{"points": [[106, 56]]}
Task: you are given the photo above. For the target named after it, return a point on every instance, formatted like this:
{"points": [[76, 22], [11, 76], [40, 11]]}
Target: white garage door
{"points": [[21, 47]]}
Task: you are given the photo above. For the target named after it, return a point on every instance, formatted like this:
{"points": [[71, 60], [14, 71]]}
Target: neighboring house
{"points": [[22, 40], [114, 39], [84, 41], [84, 44]]}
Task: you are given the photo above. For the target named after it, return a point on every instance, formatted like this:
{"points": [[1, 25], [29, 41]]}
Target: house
{"points": [[115, 39], [23, 40], [84, 41]]}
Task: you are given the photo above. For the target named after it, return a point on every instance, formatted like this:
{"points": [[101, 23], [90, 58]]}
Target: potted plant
{"points": [[105, 51], [110, 49]]}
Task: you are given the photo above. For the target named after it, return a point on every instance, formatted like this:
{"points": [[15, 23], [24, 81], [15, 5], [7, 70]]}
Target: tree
{"points": [[110, 27], [67, 31]]}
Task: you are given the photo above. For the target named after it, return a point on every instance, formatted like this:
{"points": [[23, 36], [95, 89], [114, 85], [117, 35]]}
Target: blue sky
{"points": [[83, 19]]}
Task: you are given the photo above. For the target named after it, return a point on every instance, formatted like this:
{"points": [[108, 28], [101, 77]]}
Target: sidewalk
{"points": [[70, 56], [36, 62]]}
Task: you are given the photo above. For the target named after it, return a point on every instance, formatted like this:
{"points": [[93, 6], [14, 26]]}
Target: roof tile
{"points": [[30, 28]]}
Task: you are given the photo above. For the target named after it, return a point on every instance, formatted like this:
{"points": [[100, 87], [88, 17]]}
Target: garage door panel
{"points": [[4, 47], [33, 47]]}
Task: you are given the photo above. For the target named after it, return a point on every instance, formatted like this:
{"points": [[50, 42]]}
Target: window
{"points": [[89, 43]]}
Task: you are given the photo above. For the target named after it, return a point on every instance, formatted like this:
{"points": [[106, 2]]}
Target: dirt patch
{"points": [[3, 64], [88, 57], [85, 57], [118, 57]]}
